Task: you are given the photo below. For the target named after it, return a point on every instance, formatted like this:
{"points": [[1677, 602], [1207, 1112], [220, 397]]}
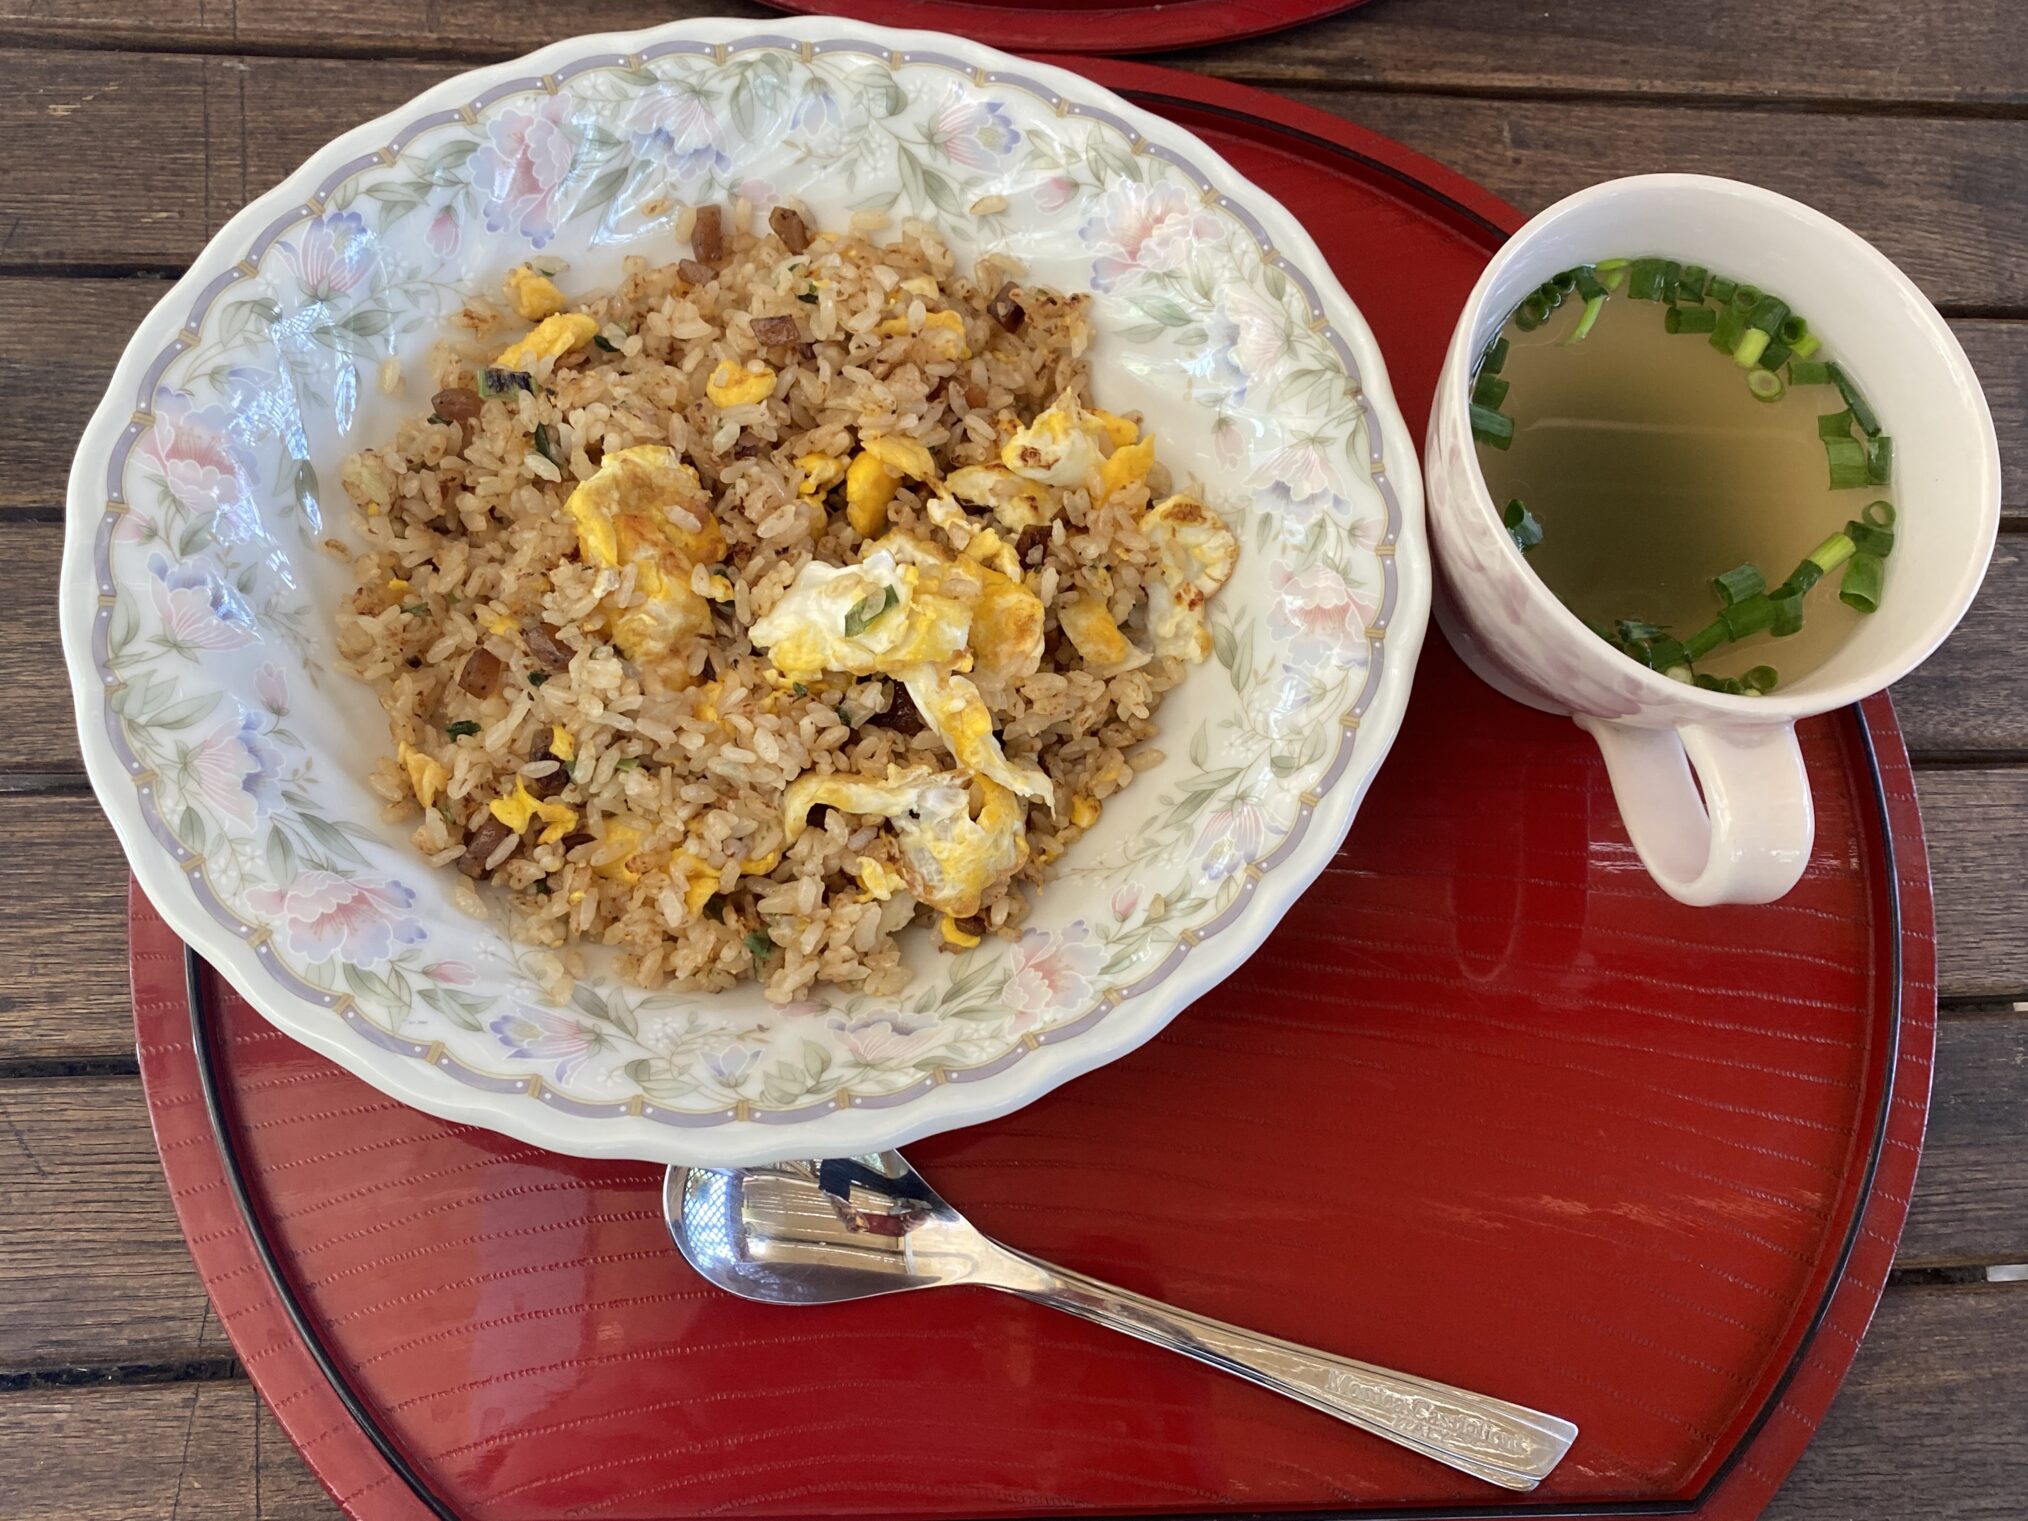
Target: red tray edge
{"points": [[1035, 29]]}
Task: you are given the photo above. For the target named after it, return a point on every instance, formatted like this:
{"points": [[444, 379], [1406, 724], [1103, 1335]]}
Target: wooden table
{"points": [[130, 133]]}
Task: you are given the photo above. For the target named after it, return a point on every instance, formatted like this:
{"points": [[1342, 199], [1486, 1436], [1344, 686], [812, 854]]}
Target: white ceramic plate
{"points": [[228, 748]]}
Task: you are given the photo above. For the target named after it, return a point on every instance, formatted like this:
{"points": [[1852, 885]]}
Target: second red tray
{"points": [[1487, 1107]]}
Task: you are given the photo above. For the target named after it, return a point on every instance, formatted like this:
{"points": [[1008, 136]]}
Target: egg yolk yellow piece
{"points": [[820, 473], [645, 507], [1126, 465], [532, 296], [954, 935], [952, 707], [562, 744], [862, 620], [521, 807], [1055, 449], [1015, 503], [949, 857], [1084, 811], [761, 865], [1006, 617], [904, 456], [1088, 623], [618, 843], [499, 623], [942, 333], [869, 487], [427, 776], [989, 549], [876, 882], [552, 339], [733, 385], [1119, 431], [1197, 554]]}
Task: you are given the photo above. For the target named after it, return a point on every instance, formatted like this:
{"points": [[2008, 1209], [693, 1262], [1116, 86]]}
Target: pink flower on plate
{"points": [[331, 257], [1125, 900], [452, 974], [524, 165], [1233, 835], [1055, 193], [360, 920], [198, 451], [973, 132], [272, 688], [443, 234], [1051, 973], [1321, 616], [1139, 229], [884, 1042], [1249, 340], [236, 770], [1303, 470], [679, 125], [199, 608], [548, 1035]]}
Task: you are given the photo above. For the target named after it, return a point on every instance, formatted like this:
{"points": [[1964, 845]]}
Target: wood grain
{"points": [[1929, 1424], [152, 152], [191, 1452], [1971, 52], [1976, 823], [1970, 700], [63, 982]]}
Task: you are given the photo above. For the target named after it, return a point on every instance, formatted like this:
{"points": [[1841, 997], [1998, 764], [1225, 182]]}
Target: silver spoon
{"points": [[853, 1227]]}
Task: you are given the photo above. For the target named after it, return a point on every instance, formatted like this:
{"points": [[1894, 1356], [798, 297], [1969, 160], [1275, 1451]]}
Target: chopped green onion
{"points": [[1551, 295], [1731, 324], [605, 343], [1809, 372], [1768, 315], [1730, 685], [1495, 357], [1854, 402], [1592, 307], [1762, 678], [1706, 639], [627, 763], [1766, 385], [1489, 391], [1737, 584], [1879, 514], [1861, 587], [1672, 280], [461, 728], [1745, 298], [1496, 428], [1612, 279], [1587, 282], [876, 605], [1690, 319], [1834, 425], [1748, 616], [1721, 288], [1522, 524], [808, 297], [1880, 459], [761, 945], [1531, 313], [1830, 554], [1691, 284], [1806, 345], [537, 678], [1611, 266], [544, 445], [1637, 630], [1564, 280], [1644, 283], [1846, 458], [415, 609], [1793, 329], [1775, 355], [1870, 540], [1752, 344], [498, 382], [1788, 618], [1664, 654]]}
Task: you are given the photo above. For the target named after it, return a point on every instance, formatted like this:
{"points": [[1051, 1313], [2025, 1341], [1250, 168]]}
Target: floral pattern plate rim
{"points": [[227, 749]]}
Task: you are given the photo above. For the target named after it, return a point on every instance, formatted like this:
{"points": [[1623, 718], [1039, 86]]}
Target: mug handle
{"points": [[1745, 840]]}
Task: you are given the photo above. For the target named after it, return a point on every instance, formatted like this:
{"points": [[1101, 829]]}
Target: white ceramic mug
{"points": [[1712, 786]]}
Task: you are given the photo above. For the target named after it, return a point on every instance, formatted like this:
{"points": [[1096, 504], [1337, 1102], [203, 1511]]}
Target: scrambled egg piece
{"points": [[954, 710], [1120, 431], [943, 334], [619, 841], [552, 339], [862, 619], [562, 744], [532, 296], [1007, 618], [954, 935], [1057, 449], [1084, 811], [646, 508], [1088, 623], [875, 880], [949, 859], [988, 548], [521, 807], [1197, 556], [820, 473], [733, 385], [1126, 465], [1015, 503], [877, 473], [427, 776]]}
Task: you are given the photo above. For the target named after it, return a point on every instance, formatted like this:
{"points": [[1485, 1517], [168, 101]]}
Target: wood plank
{"points": [[1971, 698], [1930, 1421], [1976, 823], [95, 1266], [97, 1273], [1969, 52], [156, 150], [63, 983], [40, 735], [193, 1452]]}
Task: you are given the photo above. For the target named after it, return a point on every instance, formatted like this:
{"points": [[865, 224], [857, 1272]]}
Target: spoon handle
{"points": [[1491, 1439]]}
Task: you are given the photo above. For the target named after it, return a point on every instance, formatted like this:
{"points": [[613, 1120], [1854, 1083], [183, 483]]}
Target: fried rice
{"points": [[784, 596]]}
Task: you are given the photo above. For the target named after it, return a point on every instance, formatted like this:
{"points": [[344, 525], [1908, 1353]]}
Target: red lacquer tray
{"points": [[1487, 1106], [1083, 26]]}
